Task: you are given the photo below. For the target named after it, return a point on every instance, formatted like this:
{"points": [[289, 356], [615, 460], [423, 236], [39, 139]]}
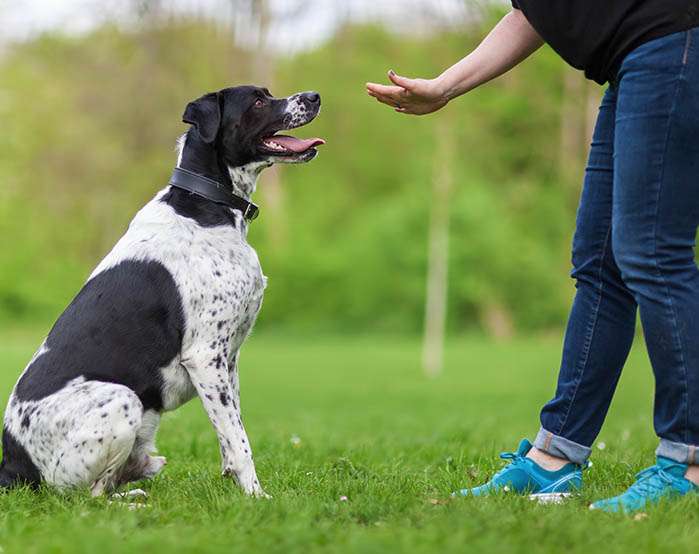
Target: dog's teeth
{"points": [[274, 145]]}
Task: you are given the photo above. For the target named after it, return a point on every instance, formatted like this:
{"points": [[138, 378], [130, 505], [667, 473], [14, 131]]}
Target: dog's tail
{"points": [[16, 468]]}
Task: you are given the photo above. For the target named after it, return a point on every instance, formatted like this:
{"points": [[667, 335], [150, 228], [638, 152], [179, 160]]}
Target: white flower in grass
{"points": [[296, 441], [343, 498], [601, 445]]}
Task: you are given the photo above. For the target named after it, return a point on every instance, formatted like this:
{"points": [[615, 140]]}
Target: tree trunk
{"points": [[437, 272], [255, 18]]}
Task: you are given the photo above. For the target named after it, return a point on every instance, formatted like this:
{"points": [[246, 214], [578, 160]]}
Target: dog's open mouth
{"points": [[285, 145]]}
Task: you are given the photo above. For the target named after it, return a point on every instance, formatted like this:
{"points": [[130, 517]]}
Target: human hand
{"points": [[409, 96]]}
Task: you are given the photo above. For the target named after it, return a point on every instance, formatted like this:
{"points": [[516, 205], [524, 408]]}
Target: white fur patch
{"points": [[179, 147]]}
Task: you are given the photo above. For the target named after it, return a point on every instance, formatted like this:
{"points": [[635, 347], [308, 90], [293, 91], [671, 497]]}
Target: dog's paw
{"points": [[129, 505], [131, 495], [247, 480], [256, 490], [130, 499]]}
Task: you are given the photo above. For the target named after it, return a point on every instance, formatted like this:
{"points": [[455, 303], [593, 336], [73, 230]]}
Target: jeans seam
{"points": [[588, 342], [673, 311], [547, 442], [687, 44]]}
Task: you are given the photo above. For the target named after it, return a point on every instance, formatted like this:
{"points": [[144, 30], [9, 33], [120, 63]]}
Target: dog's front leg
{"points": [[209, 375]]}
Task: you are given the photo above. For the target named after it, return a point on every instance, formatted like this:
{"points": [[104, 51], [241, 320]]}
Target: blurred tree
{"points": [[148, 11], [254, 16], [438, 245], [581, 99]]}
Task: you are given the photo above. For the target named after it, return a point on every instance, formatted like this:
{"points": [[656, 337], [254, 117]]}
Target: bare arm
{"points": [[511, 41]]}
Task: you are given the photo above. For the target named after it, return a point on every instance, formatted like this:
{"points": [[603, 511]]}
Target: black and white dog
{"points": [[163, 316]]}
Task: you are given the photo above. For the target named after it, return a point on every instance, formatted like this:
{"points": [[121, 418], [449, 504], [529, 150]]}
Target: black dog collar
{"points": [[212, 190]]}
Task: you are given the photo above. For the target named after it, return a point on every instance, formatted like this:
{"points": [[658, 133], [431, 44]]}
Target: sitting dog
{"points": [[163, 316]]}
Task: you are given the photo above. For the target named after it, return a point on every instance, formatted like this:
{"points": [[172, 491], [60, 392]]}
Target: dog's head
{"points": [[242, 123]]}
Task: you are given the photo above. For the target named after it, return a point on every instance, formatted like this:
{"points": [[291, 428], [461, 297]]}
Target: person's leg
{"points": [[655, 219], [602, 320], [598, 338], [656, 213]]}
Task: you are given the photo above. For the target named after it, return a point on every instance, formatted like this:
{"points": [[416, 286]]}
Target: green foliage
{"points": [[367, 426], [88, 129]]}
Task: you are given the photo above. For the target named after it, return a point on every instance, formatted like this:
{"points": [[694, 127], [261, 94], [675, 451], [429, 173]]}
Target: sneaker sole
{"points": [[550, 497]]}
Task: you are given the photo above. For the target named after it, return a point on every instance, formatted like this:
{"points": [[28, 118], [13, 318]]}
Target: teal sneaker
{"points": [[665, 480], [525, 477]]}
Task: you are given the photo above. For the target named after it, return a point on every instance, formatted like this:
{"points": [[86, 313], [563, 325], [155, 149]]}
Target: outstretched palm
{"points": [[410, 96]]}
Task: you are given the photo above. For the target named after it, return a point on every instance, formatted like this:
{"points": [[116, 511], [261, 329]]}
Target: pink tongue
{"points": [[296, 144]]}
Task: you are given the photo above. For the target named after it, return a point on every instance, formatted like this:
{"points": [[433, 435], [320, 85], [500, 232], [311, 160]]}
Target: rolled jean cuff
{"points": [[562, 448], [678, 452]]}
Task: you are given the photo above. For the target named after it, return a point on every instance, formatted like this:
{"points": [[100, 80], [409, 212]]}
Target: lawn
{"points": [[356, 446]]}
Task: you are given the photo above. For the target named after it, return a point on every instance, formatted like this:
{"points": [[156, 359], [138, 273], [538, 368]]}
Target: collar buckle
{"points": [[251, 212]]}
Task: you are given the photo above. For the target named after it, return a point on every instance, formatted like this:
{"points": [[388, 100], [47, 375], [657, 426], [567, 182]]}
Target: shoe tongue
{"points": [[672, 467], [524, 447]]}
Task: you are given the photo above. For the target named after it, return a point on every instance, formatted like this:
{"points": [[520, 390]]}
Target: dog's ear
{"points": [[205, 114]]}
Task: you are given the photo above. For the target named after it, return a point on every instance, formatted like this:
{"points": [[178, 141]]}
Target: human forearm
{"points": [[512, 40]]}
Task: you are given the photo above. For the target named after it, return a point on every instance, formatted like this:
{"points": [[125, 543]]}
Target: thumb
{"points": [[400, 81]]}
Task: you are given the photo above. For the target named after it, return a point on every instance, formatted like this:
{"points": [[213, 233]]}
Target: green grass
{"points": [[367, 425]]}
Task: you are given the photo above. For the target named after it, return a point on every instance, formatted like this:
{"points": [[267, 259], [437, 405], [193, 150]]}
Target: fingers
{"points": [[391, 96], [387, 101], [394, 96], [402, 82], [397, 106], [384, 90]]}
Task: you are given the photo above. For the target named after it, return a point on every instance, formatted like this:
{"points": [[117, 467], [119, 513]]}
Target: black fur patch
{"points": [[17, 467], [201, 210], [122, 327]]}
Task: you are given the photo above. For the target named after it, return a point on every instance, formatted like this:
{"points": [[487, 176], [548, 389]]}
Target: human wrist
{"points": [[441, 89], [449, 86]]}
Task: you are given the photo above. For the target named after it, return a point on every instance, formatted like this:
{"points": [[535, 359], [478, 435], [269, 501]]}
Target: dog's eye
{"points": [[259, 103]]}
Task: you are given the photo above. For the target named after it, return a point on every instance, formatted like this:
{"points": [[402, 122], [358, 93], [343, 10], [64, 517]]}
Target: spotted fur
{"points": [[160, 320]]}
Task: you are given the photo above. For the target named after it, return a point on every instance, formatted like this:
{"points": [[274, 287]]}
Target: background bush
{"points": [[89, 126]]}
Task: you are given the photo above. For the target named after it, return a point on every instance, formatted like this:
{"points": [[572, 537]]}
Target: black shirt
{"points": [[595, 35]]}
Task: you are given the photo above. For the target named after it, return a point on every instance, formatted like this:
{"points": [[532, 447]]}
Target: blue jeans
{"points": [[634, 247]]}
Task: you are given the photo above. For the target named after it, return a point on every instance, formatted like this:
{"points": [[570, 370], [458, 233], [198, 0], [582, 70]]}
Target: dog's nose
{"points": [[311, 97]]}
